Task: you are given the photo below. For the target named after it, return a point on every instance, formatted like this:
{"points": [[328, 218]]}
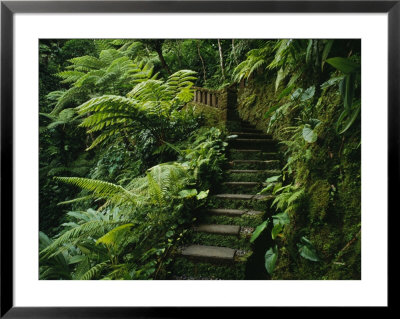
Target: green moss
{"points": [[260, 176], [239, 155], [244, 220], [240, 189], [331, 214], [260, 205], [319, 199], [195, 269], [271, 164], [235, 242], [212, 116]]}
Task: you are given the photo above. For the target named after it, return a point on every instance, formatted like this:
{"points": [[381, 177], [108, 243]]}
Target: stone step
{"points": [[255, 161], [246, 150], [250, 130], [268, 145], [249, 175], [254, 164], [219, 229], [251, 154], [250, 184], [209, 252], [251, 135], [254, 140], [232, 212], [243, 196], [253, 171]]}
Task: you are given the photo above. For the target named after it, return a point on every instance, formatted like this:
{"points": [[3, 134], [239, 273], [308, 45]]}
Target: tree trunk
{"points": [[234, 51], [221, 59], [202, 61], [163, 63]]}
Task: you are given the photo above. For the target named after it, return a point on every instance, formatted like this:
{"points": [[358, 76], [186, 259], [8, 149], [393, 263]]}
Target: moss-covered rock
{"points": [[319, 200]]}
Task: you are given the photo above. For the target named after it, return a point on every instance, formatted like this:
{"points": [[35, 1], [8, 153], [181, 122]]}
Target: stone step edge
{"points": [[244, 196], [253, 171], [224, 230], [243, 150], [255, 161], [244, 183], [208, 252], [233, 212], [252, 140], [249, 133], [219, 229]]}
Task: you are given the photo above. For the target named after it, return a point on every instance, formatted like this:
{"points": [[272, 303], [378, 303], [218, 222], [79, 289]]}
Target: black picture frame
{"points": [[9, 8]]}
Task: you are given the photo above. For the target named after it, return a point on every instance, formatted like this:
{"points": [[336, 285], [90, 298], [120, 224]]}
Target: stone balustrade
{"points": [[219, 100], [208, 97]]}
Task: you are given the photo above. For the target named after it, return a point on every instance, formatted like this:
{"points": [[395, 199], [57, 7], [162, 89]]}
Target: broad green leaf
{"points": [[314, 123], [273, 179], [349, 91], [309, 135], [270, 259], [307, 250], [296, 93], [276, 230], [307, 253], [342, 64], [308, 51], [259, 229], [271, 110], [325, 53], [202, 194], [307, 94], [280, 76], [281, 218], [331, 81], [187, 193], [350, 117], [286, 91]]}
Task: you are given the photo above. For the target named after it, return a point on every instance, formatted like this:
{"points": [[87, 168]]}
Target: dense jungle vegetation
{"points": [[126, 157]]}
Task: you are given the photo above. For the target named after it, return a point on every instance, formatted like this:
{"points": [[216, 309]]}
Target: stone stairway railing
{"points": [[209, 97], [222, 100]]}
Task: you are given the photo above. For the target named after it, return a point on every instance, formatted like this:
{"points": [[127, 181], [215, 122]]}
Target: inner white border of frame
{"points": [[370, 291]]}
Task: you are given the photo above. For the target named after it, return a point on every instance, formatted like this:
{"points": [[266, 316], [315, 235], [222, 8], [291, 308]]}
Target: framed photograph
{"points": [[162, 155]]}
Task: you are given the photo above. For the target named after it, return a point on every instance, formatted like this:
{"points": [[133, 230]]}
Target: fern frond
{"points": [[113, 236], [295, 196], [94, 271], [92, 228], [101, 189]]}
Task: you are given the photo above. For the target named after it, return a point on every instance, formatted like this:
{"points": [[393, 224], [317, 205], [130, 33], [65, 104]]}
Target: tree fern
{"points": [[114, 193], [149, 102]]}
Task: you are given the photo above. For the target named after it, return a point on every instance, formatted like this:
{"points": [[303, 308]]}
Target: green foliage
{"points": [[348, 86], [114, 241], [271, 257], [260, 228], [152, 105], [307, 250], [256, 59], [313, 107]]}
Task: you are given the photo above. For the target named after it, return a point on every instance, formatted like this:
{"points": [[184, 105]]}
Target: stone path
{"points": [[223, 230]]}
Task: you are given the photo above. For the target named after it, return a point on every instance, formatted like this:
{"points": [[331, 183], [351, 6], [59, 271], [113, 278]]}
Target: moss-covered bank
{"points": [[329, 170]]}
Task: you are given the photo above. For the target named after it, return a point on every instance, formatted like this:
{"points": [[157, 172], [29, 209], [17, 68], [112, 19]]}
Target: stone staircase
{"points": [[219, 247]]}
